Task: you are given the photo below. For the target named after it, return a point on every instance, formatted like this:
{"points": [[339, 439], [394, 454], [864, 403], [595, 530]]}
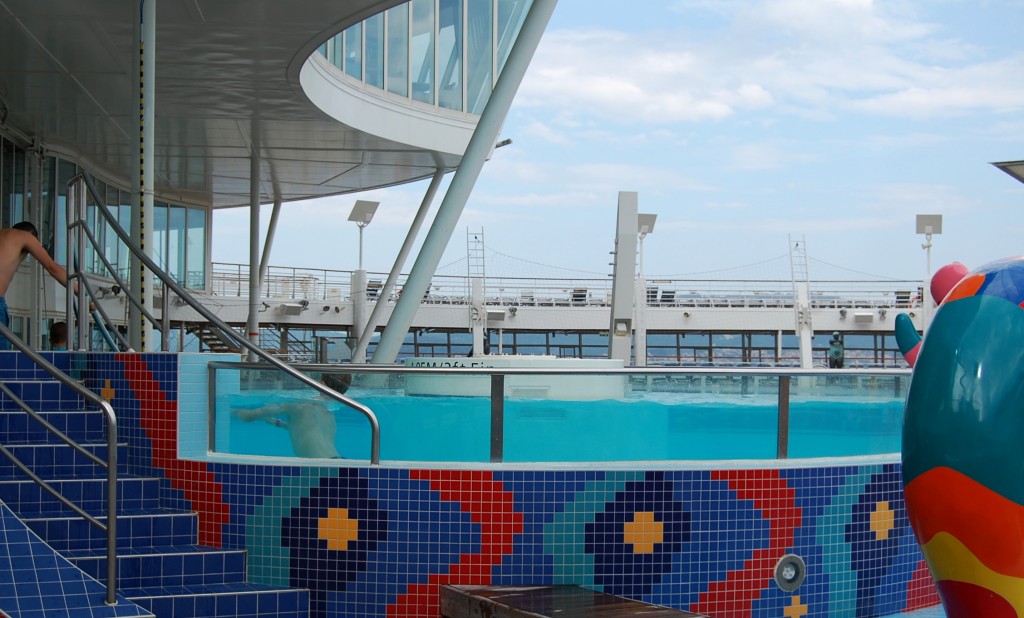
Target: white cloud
{"points": [[812, 58]]}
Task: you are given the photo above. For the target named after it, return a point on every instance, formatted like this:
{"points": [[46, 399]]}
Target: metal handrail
{"points": [[244, 342], [110, 464]]}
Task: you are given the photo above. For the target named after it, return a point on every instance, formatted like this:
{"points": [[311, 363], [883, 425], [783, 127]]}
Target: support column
{"points": [[480, 146], [252, 325], [268, 242], [359, 302], [359, 353], [620, 329], [140, 330]]}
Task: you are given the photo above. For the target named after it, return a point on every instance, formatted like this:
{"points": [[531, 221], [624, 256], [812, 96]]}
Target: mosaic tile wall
{"points": [[378, 541]]}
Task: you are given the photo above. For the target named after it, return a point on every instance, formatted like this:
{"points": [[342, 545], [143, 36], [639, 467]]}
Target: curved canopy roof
{"points": [[227, 76]]}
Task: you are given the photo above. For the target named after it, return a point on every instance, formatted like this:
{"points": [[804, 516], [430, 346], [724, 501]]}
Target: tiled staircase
{"points": [[160, 565]]}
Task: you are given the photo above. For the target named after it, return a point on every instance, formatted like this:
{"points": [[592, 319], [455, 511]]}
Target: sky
{"points": [[743, 125]]}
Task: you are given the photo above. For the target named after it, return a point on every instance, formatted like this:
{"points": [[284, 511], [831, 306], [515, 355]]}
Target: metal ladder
{"points": [[475, 254]]}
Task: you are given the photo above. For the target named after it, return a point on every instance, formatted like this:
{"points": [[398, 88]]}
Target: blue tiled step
{"points": [[35, 582], [82, 426], [222, 600], [25, 496], [41, 395], [136, 529], [60, 461], [151, 567], [17, 366]]}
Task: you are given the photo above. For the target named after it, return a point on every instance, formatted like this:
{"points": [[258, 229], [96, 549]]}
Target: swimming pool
{"points": [[706, 535], [650, 426]]}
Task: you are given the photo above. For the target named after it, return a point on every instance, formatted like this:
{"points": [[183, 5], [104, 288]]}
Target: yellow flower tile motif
{"points": [[337, 529], [643, 532], [107, 392], [882, 520], [796, 609]]}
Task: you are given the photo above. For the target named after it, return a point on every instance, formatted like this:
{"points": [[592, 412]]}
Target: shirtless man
{"points": [[310, 424], [16, 244]]}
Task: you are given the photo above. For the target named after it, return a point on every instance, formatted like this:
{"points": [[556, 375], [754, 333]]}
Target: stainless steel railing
{"points": [[110, 464], [76, 194]]}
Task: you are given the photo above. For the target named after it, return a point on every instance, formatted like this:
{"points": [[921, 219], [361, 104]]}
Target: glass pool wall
{"points": [[677, 415], [369, 541]]}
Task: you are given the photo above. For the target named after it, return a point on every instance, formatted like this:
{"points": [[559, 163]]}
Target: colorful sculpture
{"points": [[907, 337], [963, 444]]}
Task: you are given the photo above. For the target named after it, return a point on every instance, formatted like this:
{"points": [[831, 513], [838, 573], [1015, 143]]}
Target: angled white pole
{"points": [[403, 254], [480, 146]]}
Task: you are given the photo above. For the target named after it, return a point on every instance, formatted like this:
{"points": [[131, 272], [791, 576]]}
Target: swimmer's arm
{"points": [[263, 412]]}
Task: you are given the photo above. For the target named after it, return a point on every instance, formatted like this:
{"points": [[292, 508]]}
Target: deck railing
{"points": [[232, 280]]}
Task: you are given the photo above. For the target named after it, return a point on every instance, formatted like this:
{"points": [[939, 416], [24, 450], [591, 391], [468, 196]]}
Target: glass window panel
{"points": [[195, 256], [461, 338], [531, 339], [48, 227], [7, 183], [398, 50], [124, 218], [373, 63], [354, 51], [176, 243], [423, 50], [90, 222], [511, 14], [160, 235], [65, 172], [479, 56], [333, 48], [111, 241], [19, 188], [560, 338], [433, 337], [449, 54]]}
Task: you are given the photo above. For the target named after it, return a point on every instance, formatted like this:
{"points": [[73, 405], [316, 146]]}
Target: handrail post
{"points": [[165, 319], [497, 417], [211, 407], [111, 504], [782, 448]]}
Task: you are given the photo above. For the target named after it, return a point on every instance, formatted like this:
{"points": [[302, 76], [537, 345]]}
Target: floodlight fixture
{"points": [[363, 211], [929, 224], [645, 224]]}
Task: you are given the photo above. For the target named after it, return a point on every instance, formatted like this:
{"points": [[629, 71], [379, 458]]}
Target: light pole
{"points": [[644, 226], [927, 225], [362, 214]]}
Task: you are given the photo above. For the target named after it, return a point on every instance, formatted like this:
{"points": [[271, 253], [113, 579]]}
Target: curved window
{"points": [[397, 55], [444, 53]]}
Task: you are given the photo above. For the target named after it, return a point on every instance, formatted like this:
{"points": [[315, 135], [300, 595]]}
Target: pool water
{"points": [[647, 427], [931, 612]]}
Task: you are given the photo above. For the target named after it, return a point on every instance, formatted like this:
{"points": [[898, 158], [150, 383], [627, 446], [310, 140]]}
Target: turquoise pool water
{"points": [[931, 612], [660, 426]]}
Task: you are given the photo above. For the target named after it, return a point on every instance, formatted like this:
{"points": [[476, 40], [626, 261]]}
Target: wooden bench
{"points": [[545, 601]]}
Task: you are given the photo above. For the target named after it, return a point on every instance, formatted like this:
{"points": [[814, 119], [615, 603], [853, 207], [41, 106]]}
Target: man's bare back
{"points": [[15, 245], [310, 425]]}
